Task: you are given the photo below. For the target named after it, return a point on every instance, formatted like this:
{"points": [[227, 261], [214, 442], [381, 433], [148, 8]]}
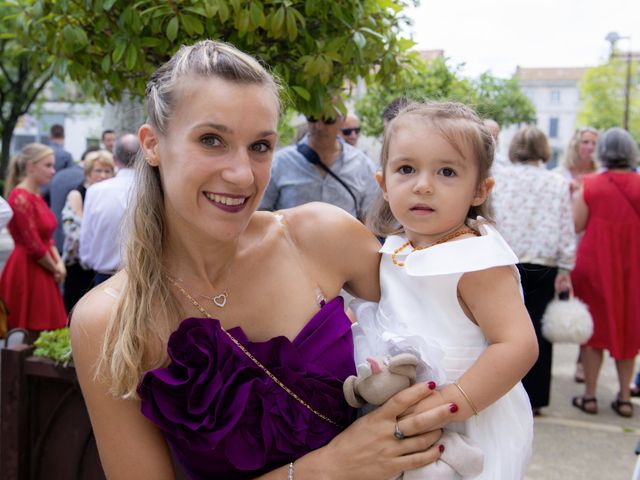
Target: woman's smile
{"points": [[227, 202]]}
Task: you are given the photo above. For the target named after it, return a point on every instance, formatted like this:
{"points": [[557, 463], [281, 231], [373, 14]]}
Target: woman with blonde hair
{"points": [[578, 161], [29, 281], [223, 343], [98, 166]]}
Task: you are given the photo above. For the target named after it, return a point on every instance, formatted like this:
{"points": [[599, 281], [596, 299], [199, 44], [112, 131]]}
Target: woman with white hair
{"points": [[607, 271]]}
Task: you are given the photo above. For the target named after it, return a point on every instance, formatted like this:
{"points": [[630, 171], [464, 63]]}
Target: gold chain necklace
{"points": [[446, 238], [254, 359], [219, 300]]}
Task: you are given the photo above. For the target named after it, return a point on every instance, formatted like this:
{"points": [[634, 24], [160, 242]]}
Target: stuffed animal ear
{"points": [[364, 370], [350, 395], [375, 366], [402, 359], [404, 364]]}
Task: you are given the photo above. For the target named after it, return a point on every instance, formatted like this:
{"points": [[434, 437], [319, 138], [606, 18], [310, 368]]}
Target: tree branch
{"points": [[6, 74]]}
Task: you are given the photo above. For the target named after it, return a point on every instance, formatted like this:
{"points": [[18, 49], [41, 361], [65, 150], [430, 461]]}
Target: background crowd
{"points": [[574, 228]]}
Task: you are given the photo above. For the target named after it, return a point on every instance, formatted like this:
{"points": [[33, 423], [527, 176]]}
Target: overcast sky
{"points": [[498, 35]]}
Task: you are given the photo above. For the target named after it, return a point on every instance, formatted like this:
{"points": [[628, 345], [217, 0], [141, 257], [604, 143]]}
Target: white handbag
{"points": [[567, 321]]}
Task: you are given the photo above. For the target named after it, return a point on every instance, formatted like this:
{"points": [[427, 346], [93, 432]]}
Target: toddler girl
{"points": [[448, 277]]}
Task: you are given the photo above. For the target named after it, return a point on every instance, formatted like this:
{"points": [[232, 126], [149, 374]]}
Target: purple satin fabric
{"points": [[223, 417]]}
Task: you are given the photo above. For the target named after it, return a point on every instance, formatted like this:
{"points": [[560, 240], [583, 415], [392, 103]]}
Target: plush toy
{"points": [[379, 379]]}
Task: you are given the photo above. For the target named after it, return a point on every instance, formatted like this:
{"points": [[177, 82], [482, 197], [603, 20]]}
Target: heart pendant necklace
{"points": [[219, 300]]}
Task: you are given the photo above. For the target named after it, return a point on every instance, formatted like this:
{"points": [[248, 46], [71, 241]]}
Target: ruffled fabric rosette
{"points": [[376, 335], [213, 403]]}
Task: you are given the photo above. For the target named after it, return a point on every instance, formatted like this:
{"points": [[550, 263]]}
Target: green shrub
{"points": [[54, 344]]}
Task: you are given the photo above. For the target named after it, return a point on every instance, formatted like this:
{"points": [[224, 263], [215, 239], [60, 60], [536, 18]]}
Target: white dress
{"points": [[421, 300]]}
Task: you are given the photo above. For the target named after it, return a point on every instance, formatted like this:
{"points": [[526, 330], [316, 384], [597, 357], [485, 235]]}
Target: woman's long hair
{"points": [[571, 153], [147, 310]]}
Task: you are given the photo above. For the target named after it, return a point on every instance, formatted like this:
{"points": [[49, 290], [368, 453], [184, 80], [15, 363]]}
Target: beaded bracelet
{"points": [[290, 472], [473, 407]]}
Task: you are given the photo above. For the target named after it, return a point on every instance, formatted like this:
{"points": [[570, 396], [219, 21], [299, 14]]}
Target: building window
{"points": [[553, 127], [20, 140], [555, 156], [555, 96]]}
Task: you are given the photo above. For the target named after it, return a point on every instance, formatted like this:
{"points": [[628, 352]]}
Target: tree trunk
{"points": [[7, 132]]}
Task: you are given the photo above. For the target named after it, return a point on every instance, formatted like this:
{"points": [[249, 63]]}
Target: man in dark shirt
{"points": [[62, 158], [61, 184]]}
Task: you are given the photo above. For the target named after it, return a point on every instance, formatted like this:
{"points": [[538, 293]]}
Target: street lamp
{"points": [[612, 38]]}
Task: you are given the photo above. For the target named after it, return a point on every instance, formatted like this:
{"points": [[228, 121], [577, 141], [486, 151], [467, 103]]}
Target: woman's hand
{"points": [[369, 449], [60, 273], [563, 281]]}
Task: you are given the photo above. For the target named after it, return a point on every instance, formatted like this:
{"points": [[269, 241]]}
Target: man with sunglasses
{"points": [[322, 167], [350, 130]]}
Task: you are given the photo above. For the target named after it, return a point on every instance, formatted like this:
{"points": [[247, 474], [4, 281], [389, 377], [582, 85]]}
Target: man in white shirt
{"points": [[5, 213], [101, 233]]}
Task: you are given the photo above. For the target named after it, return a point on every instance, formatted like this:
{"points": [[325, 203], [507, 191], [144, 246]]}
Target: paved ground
{"points": [[569, 444]]}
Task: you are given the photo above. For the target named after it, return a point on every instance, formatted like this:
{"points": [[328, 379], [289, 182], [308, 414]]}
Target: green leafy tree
{"points": [[111, 46], [25, 70], [502, 100], [492, 97], [314, 46], [602, 90], [428, 80]]}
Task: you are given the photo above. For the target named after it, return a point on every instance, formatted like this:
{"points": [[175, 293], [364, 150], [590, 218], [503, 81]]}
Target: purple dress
{"points": [[223, 417]]}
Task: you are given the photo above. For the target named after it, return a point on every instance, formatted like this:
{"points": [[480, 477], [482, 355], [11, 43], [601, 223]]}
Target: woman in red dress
{"points": [[29, 281], [607, 271]]}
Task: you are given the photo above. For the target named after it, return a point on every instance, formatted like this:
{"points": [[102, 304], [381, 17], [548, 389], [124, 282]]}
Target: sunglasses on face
{"points": [[348, 131], [325, 120]]}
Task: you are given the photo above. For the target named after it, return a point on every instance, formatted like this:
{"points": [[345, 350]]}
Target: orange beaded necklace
{"points": [[446, 238]]}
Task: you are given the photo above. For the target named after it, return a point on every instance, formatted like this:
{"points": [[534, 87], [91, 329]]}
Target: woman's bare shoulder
{"points": [[320, 224], [332, 238], [92, 313]]}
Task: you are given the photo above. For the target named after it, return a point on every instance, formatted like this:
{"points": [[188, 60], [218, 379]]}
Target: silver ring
{"points": [[398, 433]]}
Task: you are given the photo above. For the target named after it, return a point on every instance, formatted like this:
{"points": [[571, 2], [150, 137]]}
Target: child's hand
{"points": [[434, 400]]}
